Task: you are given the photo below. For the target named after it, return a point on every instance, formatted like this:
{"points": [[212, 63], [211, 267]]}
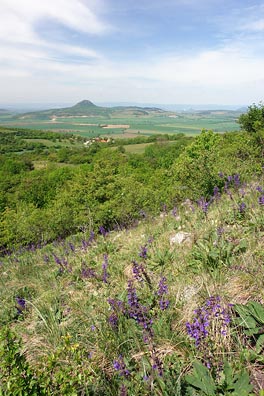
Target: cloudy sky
{"points": [[155, 51]]}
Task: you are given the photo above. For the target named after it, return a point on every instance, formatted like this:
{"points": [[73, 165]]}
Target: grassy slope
{"points": [[67, 312]]}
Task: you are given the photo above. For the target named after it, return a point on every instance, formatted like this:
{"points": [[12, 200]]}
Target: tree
{"points": [[253, 120]]}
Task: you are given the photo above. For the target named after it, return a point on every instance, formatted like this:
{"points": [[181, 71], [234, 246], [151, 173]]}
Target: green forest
{"points": [[97, 296]]}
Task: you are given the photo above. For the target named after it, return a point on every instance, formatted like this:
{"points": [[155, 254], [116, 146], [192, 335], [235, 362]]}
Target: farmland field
{"points": [[131, 126]]}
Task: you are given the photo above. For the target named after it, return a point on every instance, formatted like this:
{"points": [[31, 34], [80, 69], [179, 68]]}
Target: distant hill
{"points": [[87, 108]]}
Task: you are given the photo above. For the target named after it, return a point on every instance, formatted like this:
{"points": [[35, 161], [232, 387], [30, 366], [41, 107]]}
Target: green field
{"points": [[188, 123]]}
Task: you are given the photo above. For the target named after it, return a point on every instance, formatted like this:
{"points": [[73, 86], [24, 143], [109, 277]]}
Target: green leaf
{"points": [[242, 386], [228, 373], [260, 343], [247, 319], [201, 379], [257, 310], [251, 332]]}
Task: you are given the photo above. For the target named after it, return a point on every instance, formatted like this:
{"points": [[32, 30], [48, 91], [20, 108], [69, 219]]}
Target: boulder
{"points": [[180, 237]]}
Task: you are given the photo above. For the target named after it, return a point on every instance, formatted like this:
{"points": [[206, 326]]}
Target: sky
{"points": [[137, 51]]}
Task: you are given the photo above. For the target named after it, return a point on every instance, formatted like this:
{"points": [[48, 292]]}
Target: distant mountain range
{"points": [[4, 111], [89, 109]]}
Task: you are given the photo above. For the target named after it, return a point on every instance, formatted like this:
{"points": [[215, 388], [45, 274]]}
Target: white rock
{"points": [[180, 237]]}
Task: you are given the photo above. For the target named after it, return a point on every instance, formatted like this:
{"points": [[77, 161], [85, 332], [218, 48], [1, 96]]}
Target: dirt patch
{"points": [[111, 126]]}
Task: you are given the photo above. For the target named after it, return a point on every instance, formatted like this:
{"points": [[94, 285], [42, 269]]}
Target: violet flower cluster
{"points": [[162, 292], [204, 204], [242, 207], [21, 305], [216, 193], [88, 272], [123, 390], [117, 307], [103, 231], [232, 181], [138, 270], [261, 197], [143, 252], [120, 366], [89, 241], [209, 326], [156, 364], [62, 263], [139, 312]]}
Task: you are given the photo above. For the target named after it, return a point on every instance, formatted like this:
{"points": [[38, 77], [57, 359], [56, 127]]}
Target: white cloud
{"points": [[227, 75], [20, 17], [31, 66], [257, 26]]}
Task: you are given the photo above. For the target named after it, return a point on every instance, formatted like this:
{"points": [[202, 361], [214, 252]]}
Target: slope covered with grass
{"points": [[171, 306]]}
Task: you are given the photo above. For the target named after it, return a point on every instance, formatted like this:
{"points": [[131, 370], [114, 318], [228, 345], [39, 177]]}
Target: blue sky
{"points": [[167, 51]]}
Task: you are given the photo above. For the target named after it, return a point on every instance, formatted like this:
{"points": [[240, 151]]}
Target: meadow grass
{"points": [[107, 314]]}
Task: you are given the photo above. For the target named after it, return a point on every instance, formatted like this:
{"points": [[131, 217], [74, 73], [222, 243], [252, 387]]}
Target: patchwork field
{"points": [[130, 126]]}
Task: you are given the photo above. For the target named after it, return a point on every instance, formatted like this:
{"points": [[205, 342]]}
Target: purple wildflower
{"points": [[216, 193], [85, 244], [259, 189], [164, 208], [21, 304], [139, 312], [156, 364], [203, 204], [91, 237], [164, 304], [71, 246], [89, 241], [120, 366], [220, 231], [62, 263], [46, 258], [163, 288], [174, 211], [123, 390], [242, 207], [261, 200], [236, 180], [143, 252], [103, 231], [113, 321], [138, 271], [242, 192], [88, 272], [117, 307], [210, 321], [105, 264], [57, 259], [150, 240], [132, 295], [162, 291]]}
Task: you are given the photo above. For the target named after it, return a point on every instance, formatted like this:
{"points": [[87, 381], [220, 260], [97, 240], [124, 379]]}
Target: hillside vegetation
{"points": [[134, 274]]}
